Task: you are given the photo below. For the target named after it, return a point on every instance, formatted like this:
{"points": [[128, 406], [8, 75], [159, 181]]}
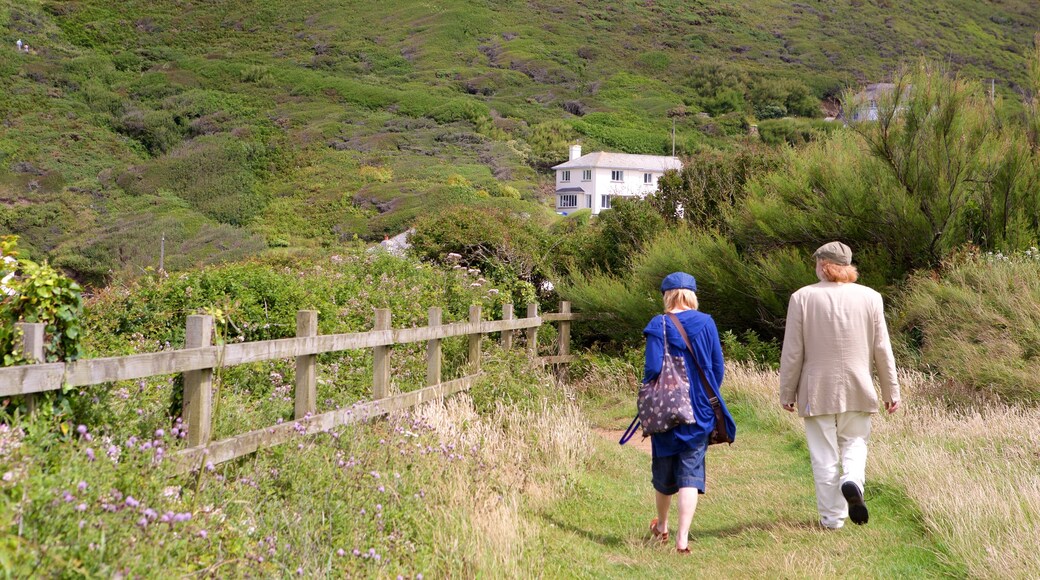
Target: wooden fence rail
{"points": [[200, 357]]}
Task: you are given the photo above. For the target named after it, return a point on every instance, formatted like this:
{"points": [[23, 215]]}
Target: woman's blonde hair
{"points": [[680, 299], [837, 273]]}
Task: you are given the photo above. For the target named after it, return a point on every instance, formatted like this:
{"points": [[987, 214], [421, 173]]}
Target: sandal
{"points": [[657, 534], [683, 551]]}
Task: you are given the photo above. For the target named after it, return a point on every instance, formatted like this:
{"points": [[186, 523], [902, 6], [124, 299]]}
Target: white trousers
{"points": [[838, 451]]}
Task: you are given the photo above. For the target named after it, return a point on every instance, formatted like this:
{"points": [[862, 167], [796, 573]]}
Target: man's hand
{"points": [[789, 407], [891, 406]]}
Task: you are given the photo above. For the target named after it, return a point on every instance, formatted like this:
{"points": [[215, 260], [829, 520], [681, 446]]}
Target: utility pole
{"points": [[673, 136]]}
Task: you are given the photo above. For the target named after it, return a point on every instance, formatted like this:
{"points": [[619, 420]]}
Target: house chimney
{"points": [[575, 152]]}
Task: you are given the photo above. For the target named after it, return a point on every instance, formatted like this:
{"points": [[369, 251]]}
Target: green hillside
{"points": [[238, 127]]}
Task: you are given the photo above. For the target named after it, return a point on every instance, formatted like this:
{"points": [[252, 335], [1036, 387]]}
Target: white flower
{"points": [[4, 288]]}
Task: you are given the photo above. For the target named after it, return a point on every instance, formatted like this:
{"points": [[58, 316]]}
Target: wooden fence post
{"points": [[306, 366], [32, 349], [565, 339], [474, 340], [507, 335], [433, 351], [565, 329], [381, 358], [198, 385], [532, 333]]}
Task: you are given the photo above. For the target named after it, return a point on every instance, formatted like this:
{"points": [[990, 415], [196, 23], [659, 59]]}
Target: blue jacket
{"points": [[704, 337]]}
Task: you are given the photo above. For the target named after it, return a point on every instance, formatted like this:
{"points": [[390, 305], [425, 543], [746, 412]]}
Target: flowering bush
{"points": [[32, 292]]}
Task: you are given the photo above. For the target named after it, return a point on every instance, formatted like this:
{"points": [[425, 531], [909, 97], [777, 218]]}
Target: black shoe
{"points": [[857, 507]]}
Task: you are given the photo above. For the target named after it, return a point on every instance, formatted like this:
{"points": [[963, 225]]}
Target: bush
{"points": [[976, 325], [155, 130], [504, 246], [212, 173], [37, 293]]}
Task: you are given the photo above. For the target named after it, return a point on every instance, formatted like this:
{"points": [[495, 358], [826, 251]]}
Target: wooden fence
{"points": [[199, 357]]}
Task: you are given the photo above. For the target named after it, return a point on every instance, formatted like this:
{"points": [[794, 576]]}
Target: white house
{"points": [[864, 104], [591, 181]]}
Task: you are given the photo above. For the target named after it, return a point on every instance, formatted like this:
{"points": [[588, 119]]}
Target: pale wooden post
{"points": [[198, 385], [565, 329], [381, 358], [433, 351], [474, 340], [565, 338], [532, 333], [32, 349], [507, 335], [306, 366]]}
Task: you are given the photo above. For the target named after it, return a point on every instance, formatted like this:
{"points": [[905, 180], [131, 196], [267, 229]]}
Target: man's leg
{"points": [[821, 437], [853, 431]]}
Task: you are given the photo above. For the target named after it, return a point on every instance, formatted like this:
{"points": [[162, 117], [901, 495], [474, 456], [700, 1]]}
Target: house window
{"points": [[568, 200], [586, 175], [565, 175], [616, 175], [604, 201], [588, 201], [648, 178]]}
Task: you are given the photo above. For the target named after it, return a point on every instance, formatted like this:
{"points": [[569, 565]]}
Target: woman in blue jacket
{"points": [[678, 454]]}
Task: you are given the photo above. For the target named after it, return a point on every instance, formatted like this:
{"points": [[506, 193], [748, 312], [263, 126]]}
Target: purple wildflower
{"points": [[150, 514], [203, 534], [142, 522], [357, 552], [209, 466], [131, 502], [340, 552], [90, 453], [82, 429], [381, 489], [159, 433], [81, 507]]}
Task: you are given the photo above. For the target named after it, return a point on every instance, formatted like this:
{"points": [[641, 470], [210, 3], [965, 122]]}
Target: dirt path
{"points": [[637, 442]]}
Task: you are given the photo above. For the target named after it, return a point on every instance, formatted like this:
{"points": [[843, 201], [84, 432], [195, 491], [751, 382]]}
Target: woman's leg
{"points": [[687, 505], [664, 502]]}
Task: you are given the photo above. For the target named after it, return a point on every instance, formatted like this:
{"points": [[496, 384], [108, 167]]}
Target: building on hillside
{"points": [[593, 180], [864, 105]]}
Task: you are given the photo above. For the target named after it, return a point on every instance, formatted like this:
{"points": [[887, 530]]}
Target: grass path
{"points": [[756, 520]]}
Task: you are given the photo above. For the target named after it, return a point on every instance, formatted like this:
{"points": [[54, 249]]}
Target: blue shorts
{"points": [[683, 470]]}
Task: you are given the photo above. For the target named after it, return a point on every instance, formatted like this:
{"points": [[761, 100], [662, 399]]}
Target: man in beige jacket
{"points": [[836, 336]]}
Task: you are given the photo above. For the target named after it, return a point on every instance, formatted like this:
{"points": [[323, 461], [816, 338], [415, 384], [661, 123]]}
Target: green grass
{"points": [[756, 520], [113, 93]]}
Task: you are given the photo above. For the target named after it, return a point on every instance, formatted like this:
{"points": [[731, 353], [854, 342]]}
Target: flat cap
{"points": [[677, 280], [836, 252]]}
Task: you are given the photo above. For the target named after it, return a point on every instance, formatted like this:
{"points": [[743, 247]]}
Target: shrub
{"points": [[976, 325], [156, 130], [37, 293], [214, 173], [711, 183], [506, 247], [793, 131]]}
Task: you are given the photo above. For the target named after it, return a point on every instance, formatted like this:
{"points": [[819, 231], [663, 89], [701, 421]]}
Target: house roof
{"points": [[622, 161], [570, 190]]}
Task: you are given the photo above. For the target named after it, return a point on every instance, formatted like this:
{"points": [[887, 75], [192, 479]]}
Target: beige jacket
{"points": [[836, 335]]}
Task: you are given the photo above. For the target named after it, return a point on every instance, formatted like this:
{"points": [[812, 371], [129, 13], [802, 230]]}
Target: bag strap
{"points": [[631, 431], [708, 389]]}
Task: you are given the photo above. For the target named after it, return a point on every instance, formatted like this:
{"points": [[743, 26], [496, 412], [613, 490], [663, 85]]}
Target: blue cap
{"points": [[677, 280]]}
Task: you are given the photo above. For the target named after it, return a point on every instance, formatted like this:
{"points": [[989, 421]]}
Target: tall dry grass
{"points": [[974, 473], [527, 456]]}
